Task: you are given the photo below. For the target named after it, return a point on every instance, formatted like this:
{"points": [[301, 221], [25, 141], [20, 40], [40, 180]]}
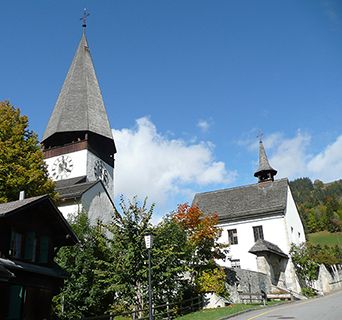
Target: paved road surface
{"points": [[326, 308]]}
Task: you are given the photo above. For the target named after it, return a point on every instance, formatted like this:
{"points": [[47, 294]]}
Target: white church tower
{"points": [[78, 144]]}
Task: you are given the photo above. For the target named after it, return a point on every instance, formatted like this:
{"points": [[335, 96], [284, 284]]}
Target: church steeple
{"points": [[79, 113], [265, 172], [78, 142]]}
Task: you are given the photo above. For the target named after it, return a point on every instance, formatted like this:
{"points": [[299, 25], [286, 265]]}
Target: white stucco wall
{"points": [[295, 229], [70, 209], [91, 159], [97, 204], [274, 230]]}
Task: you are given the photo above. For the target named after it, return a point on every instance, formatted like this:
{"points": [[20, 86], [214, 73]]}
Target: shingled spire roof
{"points": [[265, 172], [79, 106]]}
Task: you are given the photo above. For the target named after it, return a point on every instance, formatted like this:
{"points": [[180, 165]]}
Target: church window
{"points": [[258, 233], [232, 236], [235, 263]]}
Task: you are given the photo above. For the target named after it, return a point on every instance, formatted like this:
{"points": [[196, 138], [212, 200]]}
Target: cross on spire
{"points": [[260, 135], [84, 18]]}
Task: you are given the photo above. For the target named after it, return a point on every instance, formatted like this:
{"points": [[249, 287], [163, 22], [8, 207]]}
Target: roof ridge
{"points": [[239, 187]]}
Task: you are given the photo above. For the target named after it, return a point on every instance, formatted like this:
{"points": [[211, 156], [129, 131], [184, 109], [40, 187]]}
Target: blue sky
{"points": [[189, 84]]}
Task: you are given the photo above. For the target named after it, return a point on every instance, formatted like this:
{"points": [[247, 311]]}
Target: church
{"points": [[78, 145], [259, 222]]}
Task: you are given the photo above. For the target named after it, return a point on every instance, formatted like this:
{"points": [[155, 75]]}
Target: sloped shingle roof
{"points": [[264, 165], [266, 246], [268, 198], [76, 190], [79, 106], [11, 206]]}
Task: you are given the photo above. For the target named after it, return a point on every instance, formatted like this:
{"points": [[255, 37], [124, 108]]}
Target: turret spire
{"points": [[265, 172]]}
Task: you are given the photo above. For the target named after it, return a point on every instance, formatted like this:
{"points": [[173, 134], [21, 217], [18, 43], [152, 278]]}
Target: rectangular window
{"points": [[235, 263], [258, 233], [16, 245], [30, 246], [43, 249], [232, 236]]}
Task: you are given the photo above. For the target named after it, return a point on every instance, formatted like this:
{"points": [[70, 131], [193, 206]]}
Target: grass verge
{"points": [[219, 313]]}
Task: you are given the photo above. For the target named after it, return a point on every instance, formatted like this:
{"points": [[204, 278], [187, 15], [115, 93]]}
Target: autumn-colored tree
{"points": [[22, 167], [202, 232], [202, 235], [213, 281]]}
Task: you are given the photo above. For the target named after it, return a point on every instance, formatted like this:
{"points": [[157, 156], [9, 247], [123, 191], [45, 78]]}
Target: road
{"points": [[325, 308]]}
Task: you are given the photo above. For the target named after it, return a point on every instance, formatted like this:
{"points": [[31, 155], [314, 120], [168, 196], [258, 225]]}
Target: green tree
{"points": [[170, 257], [307, 268], [125, 272], [83, 293], [22, 167]]}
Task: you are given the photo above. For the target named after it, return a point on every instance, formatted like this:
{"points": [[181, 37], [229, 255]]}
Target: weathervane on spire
{"points": [[84, 18]]}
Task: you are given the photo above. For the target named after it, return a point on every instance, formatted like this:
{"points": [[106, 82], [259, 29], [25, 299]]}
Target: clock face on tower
{"points": [[101, 172], [62, 167]]}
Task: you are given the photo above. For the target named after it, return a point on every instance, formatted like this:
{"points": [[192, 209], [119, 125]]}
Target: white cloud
{"points": [[151, 164], [203, 125], [328, 163], [292, 158]]}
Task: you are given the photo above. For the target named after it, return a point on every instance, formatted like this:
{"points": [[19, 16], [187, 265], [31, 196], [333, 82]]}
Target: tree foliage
{"points": [[108, 270], [83, 293], [202, 242], [124, 274], [213, 281], [319, 204], [307, 258], [22, 167]]}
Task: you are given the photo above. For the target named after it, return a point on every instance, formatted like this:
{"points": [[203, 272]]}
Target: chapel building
{"points": [[260, 222]]}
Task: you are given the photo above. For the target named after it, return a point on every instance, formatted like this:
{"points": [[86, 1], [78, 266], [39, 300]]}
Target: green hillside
{"points": [[325, 238], [319, 204]]}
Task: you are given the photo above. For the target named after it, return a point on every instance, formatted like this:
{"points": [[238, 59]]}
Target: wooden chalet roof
{"points": [[43, 210]]}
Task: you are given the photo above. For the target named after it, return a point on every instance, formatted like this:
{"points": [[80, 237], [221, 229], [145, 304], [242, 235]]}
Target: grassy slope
{"points": [[325, 238], [219, 313]]}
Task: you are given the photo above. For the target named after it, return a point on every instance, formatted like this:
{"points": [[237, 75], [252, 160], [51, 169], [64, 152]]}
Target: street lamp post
{"points": [[149, 244]]}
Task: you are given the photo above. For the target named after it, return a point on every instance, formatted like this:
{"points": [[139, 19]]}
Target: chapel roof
{"points": [[254, 200], [261, 246], [79, 106]]}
